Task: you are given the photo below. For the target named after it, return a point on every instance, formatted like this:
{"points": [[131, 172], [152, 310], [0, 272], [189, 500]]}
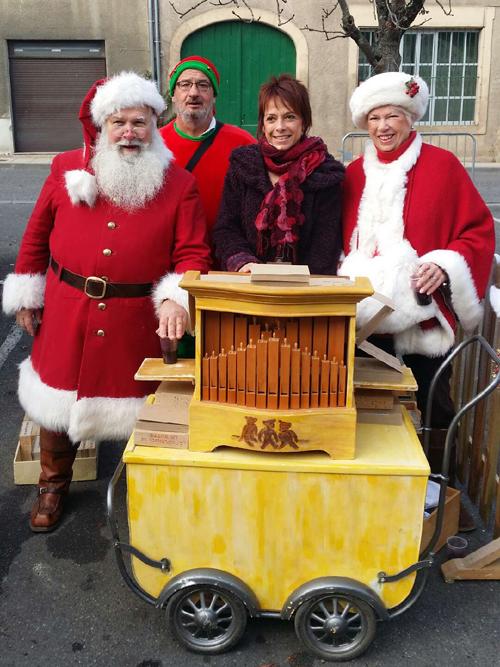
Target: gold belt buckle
{"points": [[95, 279]]}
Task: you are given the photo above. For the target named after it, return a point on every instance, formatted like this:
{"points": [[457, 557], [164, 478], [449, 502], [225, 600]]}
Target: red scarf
{"points": [[280, 214]]}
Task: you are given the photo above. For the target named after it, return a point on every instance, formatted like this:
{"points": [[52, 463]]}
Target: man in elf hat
{"points": [[200, 143], [417, 227], [114, 227]]}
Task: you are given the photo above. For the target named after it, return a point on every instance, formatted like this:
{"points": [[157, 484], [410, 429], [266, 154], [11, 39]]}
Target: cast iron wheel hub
{"points": [[336, 625], [206, 619]]}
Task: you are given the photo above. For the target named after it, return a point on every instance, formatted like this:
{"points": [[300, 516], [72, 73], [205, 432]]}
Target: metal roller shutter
{"points": [[46, 96]]}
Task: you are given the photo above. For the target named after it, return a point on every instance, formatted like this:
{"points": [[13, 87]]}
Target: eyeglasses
{"points": [[185, 85]]}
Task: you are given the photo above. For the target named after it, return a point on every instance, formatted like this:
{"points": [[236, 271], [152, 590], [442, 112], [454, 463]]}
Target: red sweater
{"points": [[211, 169]]}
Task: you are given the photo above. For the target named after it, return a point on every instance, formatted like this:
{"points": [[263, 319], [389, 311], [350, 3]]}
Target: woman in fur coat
{"points": [[417, 227]]}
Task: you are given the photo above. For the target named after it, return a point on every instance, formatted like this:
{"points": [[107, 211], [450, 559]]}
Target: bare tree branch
{"points": [[447, 12], [394, 18], [279, 12], [251, 19], [187, 11]]}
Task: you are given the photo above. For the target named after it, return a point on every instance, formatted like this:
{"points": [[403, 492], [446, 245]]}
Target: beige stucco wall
{"points": [[122, 25], [328, 67]]}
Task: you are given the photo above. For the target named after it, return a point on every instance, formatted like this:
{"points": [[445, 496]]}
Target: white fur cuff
{"points": [[168, 288], [81, 186], [23, 290], [464, 297]]}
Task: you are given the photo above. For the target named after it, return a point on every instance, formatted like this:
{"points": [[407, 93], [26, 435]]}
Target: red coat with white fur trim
{"points": [[77, 380], [423, 209]]}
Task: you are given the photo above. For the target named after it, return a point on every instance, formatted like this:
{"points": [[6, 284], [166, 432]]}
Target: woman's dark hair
{"points": [[292, 93]]}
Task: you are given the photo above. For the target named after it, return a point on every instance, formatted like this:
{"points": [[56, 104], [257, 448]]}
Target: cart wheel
{"points": [[206, 619], [335, 627]]}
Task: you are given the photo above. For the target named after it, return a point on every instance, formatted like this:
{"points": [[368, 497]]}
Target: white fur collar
{"points": [[81, 186], [380, 215]]}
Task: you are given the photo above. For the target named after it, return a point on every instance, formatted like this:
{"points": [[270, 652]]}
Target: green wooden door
{"points": [[246, 55]]}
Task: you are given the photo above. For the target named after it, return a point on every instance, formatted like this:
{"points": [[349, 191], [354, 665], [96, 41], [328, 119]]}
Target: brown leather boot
{"points": [[57, 454]]}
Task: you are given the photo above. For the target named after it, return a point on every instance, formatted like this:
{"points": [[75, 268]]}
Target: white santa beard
{"points": [[133, 180]]}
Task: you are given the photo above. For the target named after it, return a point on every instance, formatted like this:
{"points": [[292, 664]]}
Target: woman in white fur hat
{"points": [[410, 209]]}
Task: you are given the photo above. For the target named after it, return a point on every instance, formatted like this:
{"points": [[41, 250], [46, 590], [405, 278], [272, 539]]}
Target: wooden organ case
{"points": [[274, 363]]}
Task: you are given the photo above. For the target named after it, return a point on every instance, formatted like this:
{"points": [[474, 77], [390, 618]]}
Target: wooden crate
{"points": [[27, 457], [450, 521]]}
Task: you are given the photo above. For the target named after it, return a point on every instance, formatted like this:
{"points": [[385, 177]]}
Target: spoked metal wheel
{"points": [[335, 626], [206, 619]]}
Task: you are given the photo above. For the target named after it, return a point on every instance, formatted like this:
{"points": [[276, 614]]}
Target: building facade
{"points": [[52, 51]]}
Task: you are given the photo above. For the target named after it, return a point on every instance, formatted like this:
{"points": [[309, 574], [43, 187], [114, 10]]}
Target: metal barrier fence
{"points": [[479, 434], [461, 144]]}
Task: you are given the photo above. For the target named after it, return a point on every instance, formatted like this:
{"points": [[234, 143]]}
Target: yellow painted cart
{"points": [[329, 539]]}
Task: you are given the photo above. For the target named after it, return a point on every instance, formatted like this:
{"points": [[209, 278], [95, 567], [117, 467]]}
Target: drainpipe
{"points": [[154, 40], [157, 41]]}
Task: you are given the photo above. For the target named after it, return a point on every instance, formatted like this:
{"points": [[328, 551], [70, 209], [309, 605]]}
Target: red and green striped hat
{"points": [[195, 62]]}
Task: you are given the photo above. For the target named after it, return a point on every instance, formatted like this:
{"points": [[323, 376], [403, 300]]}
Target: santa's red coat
{"points": [[443, 220], [86, 351]]}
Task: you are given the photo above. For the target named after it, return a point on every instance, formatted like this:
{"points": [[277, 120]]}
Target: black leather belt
{"points": [[99, 288]]}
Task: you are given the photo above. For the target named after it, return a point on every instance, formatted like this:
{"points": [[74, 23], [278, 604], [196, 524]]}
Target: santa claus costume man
{"points": [[115, 226]]}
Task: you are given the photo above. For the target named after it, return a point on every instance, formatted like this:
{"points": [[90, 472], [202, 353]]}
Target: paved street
{"points": [[62, 599]]}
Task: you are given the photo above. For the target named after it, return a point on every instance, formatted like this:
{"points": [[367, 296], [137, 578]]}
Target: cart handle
{"points": [[442, 477], [120, 547]]}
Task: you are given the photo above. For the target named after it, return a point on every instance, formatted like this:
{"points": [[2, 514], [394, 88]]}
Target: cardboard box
{"points": [[169, 405], [29, 431], [27, 470], [158, 434], [450, 521], [370, 399]]}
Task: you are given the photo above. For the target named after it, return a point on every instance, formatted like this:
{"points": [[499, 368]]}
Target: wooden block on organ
{"points": [[284, 375], [336, 338], [212, 332], [227, 332], [241, 363], [273, 353], [251, 374], [231, 376], [280, 272], [261, 398]]}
